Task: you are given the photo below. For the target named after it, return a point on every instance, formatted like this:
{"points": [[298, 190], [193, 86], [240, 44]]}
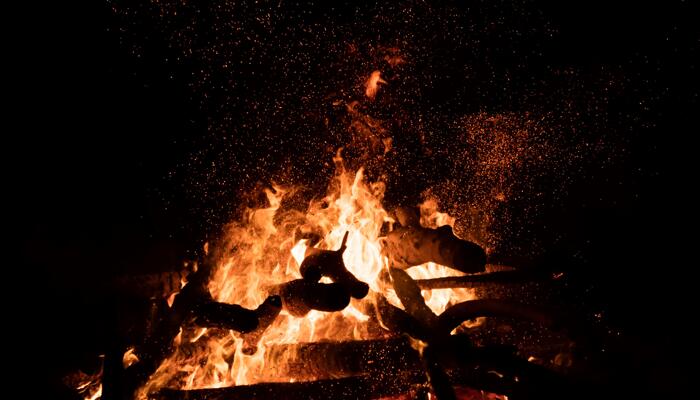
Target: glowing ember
{"points": [[372, 85], [130, 358]]}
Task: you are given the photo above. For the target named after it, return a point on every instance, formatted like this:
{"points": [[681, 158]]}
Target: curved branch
{"points": [[455, 315]]}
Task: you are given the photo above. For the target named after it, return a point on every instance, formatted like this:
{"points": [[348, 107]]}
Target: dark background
{"points": [[108, 135]]}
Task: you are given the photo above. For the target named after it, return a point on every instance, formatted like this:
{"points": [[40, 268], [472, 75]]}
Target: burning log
{"points": [[437, 377], [371, 369], [365, 387], [319, 263], [468, 310], [211, 314], [476, 280], [324, 360], [397, 320], [408, 246], [301, 296], [412, 299], [267, 312]]}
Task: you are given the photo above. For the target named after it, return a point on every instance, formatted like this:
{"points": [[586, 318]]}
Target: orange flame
{"points": [[266, 254], [87, 386], [372, 84]]}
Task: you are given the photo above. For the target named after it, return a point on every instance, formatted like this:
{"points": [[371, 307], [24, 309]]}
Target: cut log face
{"points": [[411, 245]]}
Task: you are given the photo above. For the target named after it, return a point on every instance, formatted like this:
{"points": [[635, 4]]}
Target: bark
{"points": [[301, 296], [410, 246]]}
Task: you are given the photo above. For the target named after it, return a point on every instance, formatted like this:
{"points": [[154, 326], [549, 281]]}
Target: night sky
{"points": [[148, 124]]}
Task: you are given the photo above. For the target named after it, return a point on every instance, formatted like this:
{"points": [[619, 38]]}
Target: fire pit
{"points": [[345, 300]]}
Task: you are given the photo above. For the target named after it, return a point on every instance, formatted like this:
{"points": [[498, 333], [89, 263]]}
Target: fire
{"points": [[372, 84], [89, 387], [130, 358], [267, 248]]}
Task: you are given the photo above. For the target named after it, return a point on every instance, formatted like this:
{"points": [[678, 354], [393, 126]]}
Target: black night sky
{"points": [[147, 123]]}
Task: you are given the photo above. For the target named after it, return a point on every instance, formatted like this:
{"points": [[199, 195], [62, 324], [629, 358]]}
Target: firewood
{"points": [[301, 296], [468, 310], [397, 320], [438, 378], [365, 387], [412, 299], [319, 263], [408, 246], [479, 280], [335, 359], [211, 314], [267, 312], [370, 369], [574, 329]]}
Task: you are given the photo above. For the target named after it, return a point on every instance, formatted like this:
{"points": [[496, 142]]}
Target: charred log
{"points": [[468, 310], [397, 320], [224, 316], [324, 360], [409, 246], [375, 368], [437, 376], [267, 312], [412, 299], [479, 280], [301, 296], [354, 388], [319, 263]]}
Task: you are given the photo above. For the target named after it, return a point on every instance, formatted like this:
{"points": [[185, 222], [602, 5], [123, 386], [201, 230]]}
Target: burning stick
{"points": [[211, 314], [397, 320], [455, 315], [408, 246], [437, 376], [412, 299], [301, 296], [266, 312], [468, 310], [476, 280], [329, 263]]}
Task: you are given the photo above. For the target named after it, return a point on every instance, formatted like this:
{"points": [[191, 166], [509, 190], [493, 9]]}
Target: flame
{"points": [[372, 84], [268, 247], [87, 386], [130, 358]]}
